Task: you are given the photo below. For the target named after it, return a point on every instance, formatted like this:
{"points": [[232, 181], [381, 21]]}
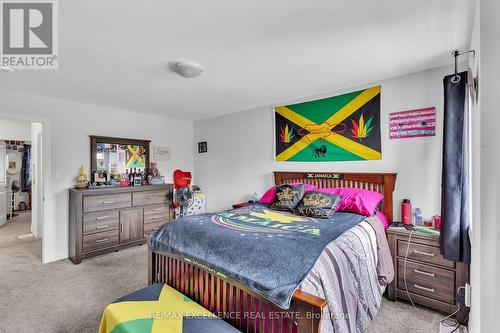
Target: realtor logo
{"points": [[29, 34]]}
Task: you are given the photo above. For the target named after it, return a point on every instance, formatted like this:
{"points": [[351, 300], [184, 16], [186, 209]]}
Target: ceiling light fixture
{"points": [[187, 69], [6, 69]]}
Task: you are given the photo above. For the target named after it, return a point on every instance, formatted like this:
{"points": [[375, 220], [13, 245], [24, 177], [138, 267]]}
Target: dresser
{"points": [[110, 219], [431, 280]]}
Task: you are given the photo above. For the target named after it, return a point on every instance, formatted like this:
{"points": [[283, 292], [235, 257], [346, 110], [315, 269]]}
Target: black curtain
{"points": [[455, 242]]}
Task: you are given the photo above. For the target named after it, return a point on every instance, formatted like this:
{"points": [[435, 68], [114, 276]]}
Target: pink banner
{"points": [[412, 123]]}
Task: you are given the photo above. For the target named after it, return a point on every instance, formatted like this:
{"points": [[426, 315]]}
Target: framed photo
{"points": [[202, 147], [162, 153]]}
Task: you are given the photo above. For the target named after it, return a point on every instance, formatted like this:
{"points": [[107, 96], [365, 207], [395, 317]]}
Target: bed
{"points": [[240, 305]]}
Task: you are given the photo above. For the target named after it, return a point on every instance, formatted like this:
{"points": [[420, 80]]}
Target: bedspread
{"points": [[351, 275]]}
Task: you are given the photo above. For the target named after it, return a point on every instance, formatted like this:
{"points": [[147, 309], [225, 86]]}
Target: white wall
{"points": [[36, 193], [240, 149], [14, 130], [490, 118], [67, 126], [476, 223]]}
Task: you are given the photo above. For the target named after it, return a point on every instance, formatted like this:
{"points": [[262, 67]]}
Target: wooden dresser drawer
{"points": [[432, 282], [105, 202], [421, 252], [100, 240], [156, 213], [442, 281], [100, 221], [152, 227], [150, 198]]}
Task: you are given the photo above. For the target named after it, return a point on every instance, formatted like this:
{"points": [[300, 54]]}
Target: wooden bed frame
{"points": [[237, 304]]}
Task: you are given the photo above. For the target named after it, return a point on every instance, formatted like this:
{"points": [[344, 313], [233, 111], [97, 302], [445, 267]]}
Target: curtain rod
{"points": [[456, 53]]}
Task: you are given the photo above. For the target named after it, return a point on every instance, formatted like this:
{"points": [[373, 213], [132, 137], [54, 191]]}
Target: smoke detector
{"points": [[187, 69], [6, 69]]}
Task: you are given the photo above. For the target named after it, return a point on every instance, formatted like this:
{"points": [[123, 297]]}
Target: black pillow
{"points": [[287, 197], [318, 204]]}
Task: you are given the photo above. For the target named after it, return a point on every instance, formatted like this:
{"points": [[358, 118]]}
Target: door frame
{"points": [[46, 201]]}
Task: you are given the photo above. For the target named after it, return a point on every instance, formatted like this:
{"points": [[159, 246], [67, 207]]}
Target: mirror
{"points": [[116, 155]]}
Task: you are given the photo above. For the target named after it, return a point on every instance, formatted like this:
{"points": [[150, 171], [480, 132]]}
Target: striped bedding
{"points": [[347, 275]]}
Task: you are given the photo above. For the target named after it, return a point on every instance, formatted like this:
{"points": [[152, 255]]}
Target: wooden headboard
{"points": [[378, 182]]}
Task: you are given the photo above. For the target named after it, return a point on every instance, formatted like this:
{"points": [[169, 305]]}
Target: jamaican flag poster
{"points": [[340, 128]]}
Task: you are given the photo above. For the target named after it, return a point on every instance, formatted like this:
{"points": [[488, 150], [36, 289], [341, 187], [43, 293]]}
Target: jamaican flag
{"points": [[340, 128], [160, 309]]}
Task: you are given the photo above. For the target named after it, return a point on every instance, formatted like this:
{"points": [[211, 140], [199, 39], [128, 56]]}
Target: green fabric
{"points": [[143, 325], [309, 110], [339, 153]]}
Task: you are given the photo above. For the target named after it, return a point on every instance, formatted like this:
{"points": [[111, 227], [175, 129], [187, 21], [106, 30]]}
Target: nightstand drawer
{"points": [[426, 253], [432, 290], [438, 277]]}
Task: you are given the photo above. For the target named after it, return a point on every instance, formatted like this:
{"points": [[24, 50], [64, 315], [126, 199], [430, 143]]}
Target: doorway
{"points": [[21, 186]]}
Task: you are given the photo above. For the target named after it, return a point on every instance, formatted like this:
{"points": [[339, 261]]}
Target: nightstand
{"points": [[432, 281]]}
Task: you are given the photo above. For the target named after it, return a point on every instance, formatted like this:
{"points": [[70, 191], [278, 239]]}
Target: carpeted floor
{"points": [[62, 297]]}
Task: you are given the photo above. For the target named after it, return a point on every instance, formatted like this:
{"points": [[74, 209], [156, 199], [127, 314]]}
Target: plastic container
{"points": [[418, 217]]}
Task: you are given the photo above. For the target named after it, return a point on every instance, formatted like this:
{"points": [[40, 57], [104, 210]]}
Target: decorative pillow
{"points": [[318, 204], [355, 200], [268, 197], [287, 196]]}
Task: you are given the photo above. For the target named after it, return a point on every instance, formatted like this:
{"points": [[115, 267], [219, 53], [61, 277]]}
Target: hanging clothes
{"points": [[27, 175]]}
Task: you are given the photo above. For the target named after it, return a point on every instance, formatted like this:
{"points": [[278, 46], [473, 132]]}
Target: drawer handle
{"points": [[424, 253], [151, 197], [424, 288], [101, 217], [101, 240], [102, 226], [418, 271], [156, 209], [108, 202], [157, 217]]}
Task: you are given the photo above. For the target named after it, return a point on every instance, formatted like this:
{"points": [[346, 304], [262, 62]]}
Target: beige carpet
{"points": [[62, 297]]}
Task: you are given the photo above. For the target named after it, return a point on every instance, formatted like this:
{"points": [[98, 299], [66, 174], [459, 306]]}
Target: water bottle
{"points": [[418, 217], [406, 217]]}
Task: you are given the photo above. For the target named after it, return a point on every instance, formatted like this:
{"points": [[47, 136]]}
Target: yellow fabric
{"points": [[167, 312], [322, 131]]}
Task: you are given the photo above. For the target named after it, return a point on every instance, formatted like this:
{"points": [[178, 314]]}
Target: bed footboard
{"points": [[232, 301]]}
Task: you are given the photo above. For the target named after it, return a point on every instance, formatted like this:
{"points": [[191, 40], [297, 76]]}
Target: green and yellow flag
{"points": [[340, 128]]}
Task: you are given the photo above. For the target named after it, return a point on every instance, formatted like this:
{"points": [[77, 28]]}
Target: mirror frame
{"points": [[94, 139]]}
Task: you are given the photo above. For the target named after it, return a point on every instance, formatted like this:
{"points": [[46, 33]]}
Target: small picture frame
{"points": [[202, 147]]}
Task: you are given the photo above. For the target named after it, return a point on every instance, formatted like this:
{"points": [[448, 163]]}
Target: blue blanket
{"points": [[268, 251]]}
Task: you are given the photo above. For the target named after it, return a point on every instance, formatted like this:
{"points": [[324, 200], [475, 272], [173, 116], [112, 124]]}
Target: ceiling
{"points": [[255, 53]]}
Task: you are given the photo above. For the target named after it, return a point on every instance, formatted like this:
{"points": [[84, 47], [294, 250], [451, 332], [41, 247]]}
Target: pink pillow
{"points": [[383, 219], [268, 197], [355, 200]]}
